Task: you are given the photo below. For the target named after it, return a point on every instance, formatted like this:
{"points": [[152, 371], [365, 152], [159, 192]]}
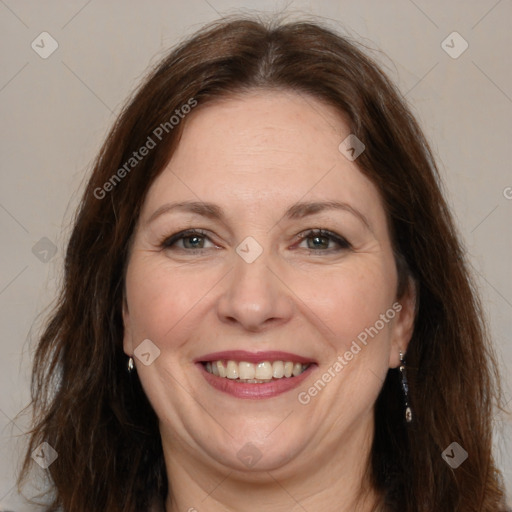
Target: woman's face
{"points": [[256, 283]]}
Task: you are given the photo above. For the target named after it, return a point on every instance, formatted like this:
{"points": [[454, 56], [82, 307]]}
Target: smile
{"points": [[258, 375], [261, 372]]}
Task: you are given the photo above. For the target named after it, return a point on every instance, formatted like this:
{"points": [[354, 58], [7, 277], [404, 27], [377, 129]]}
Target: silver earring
{"points": [[131, 366], [405, 389]]}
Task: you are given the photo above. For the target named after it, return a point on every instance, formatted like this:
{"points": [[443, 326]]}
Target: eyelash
{"points": [[324, 233], [169, 242]]}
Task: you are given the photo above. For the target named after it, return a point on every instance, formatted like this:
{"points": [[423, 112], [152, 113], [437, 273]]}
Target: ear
{"points": [[403, 324], [127, 336]]}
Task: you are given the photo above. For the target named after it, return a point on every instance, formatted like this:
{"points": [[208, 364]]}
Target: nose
{"points": [[255, 296]]}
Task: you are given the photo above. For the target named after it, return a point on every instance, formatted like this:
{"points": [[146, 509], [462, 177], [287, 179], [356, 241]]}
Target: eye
{"points": [[320, 240], [192, 239]]}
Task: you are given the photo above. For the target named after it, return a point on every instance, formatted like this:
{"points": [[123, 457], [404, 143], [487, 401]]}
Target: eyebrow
{"points": [[296, 211]]}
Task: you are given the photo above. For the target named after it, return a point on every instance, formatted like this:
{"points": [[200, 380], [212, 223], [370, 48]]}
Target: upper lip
{"points": [[253, 357]]}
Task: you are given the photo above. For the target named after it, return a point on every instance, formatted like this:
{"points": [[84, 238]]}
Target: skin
{"points": [[255, 155]]}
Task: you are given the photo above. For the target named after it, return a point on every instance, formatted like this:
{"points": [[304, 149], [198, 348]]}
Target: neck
{"points": [[332, 481]]}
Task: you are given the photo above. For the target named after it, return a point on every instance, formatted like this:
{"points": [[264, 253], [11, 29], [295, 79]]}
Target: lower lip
{"points": [[255, 391]]}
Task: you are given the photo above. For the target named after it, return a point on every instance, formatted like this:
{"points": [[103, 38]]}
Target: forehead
{"points": [[263, 151]]}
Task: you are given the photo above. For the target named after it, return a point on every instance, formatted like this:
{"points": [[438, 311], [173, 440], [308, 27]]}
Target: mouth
{"points": [[254, 375], [259, 373]]}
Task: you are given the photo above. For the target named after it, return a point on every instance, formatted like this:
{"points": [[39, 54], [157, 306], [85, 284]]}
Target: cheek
{"points": [[351, 301], [160, 298], [166, 304]]}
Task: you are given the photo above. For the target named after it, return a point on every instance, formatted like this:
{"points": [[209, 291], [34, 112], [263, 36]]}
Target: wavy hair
{"points": [[99, 420]]}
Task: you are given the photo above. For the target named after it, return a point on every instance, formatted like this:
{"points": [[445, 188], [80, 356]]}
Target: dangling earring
{"points": [[131, 366], [405, 389]]}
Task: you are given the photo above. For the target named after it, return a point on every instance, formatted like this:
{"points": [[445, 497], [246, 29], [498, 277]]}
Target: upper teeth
{"points": [[260, 371]]}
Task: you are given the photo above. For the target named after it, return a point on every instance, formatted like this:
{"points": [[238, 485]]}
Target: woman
{"points": [[262, 240]]}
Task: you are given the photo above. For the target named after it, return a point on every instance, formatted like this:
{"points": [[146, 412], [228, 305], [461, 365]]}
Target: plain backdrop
{"points": [[56, 109]]}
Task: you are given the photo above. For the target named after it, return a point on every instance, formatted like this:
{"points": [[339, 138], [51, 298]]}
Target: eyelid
{"points": [[340, 240], [169, 241]]}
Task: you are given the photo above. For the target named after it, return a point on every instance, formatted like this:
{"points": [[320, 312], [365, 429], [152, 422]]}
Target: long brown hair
{"points": [[98, 419]]}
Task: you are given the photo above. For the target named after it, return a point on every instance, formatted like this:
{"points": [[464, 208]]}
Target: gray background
{"points": [[57, 110]]}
